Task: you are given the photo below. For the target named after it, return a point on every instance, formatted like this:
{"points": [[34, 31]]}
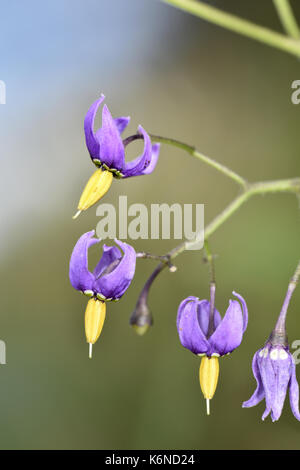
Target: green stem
{"points": [[209, 161], [279, 332], [287, 18], [291, 185], [264, 187], [238, 25]]}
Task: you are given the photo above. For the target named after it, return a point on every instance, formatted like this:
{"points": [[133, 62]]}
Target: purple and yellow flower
{"points": [[107, 151], [202, 330], [108, 282], [274, 369]]}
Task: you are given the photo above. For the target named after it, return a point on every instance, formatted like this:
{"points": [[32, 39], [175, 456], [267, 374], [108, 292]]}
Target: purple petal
{"points": [[182, 307], [152, 164], [294, 392], [282, 368], [228, 335], [110, 254], [122, 123], [154, 159], [189, 330], [245, 310], [114, 284], [203, 316], [80, 277], [259, 393], [111, 145], [268, 379], [140, 164], [92, 142]]}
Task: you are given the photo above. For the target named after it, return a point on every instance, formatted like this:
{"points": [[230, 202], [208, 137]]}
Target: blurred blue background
{"points": [[184, 78]]}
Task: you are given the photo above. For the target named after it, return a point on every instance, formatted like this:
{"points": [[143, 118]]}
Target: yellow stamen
{"points": [[94, 320], [96, 187], [208, 375]]}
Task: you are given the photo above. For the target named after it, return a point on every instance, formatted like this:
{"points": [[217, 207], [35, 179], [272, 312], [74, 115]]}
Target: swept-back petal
{"points": [[182, 307], [80, 277], [110, 254], [245, 309], [228, 335], [259, 393], [140, 164], [92, 142], [114, 284], [190, 334], [111, 145], [122, 123], [294, 392], [154, 159]]}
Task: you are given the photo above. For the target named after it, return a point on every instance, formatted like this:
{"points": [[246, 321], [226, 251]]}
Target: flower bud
{"points": [[141, 319]]}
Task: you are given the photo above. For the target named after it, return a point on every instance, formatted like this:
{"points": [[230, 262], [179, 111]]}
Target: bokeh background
{"points": [[183, 78]]}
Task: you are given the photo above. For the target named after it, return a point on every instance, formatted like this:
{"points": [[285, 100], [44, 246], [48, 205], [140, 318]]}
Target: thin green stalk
{"points": [[291, 185], [287, 185], [209, 161], [287, 18], [238, 25]]}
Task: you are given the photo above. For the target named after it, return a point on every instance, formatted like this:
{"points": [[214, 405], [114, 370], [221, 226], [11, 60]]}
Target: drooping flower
{"points": [[202, 330], [275, 372], [108, 282], [274, 369], [107, 151]]}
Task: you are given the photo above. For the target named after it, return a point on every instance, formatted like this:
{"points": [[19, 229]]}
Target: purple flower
{"points": [[274, 370], [107, 149], [274, 367], [204, 335], [112, 275], [202, 330]]}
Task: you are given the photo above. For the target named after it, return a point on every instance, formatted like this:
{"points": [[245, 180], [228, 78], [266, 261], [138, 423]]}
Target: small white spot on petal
{"points": [[283, 354], [101, 297], [215, 355], [265, 352], [274, 354], [89, 293], [261, 353], [201, 355]]}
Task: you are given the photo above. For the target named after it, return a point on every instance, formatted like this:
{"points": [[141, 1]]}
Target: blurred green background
{"points": [[180, 77]]}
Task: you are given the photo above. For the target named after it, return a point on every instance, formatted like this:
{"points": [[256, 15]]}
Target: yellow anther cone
{"points": [[96, 187], [94, 320], [208, 375]]}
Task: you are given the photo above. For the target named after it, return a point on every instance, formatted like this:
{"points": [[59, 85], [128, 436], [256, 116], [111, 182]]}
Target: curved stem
{"points": [[287, 18], [291, 185], [264, 187], [238, 25], [209, 161], [279, 330], [164, 259]]}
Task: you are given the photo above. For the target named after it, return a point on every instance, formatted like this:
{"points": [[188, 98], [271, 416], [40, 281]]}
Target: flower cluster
{"points": [[201, 328]]}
